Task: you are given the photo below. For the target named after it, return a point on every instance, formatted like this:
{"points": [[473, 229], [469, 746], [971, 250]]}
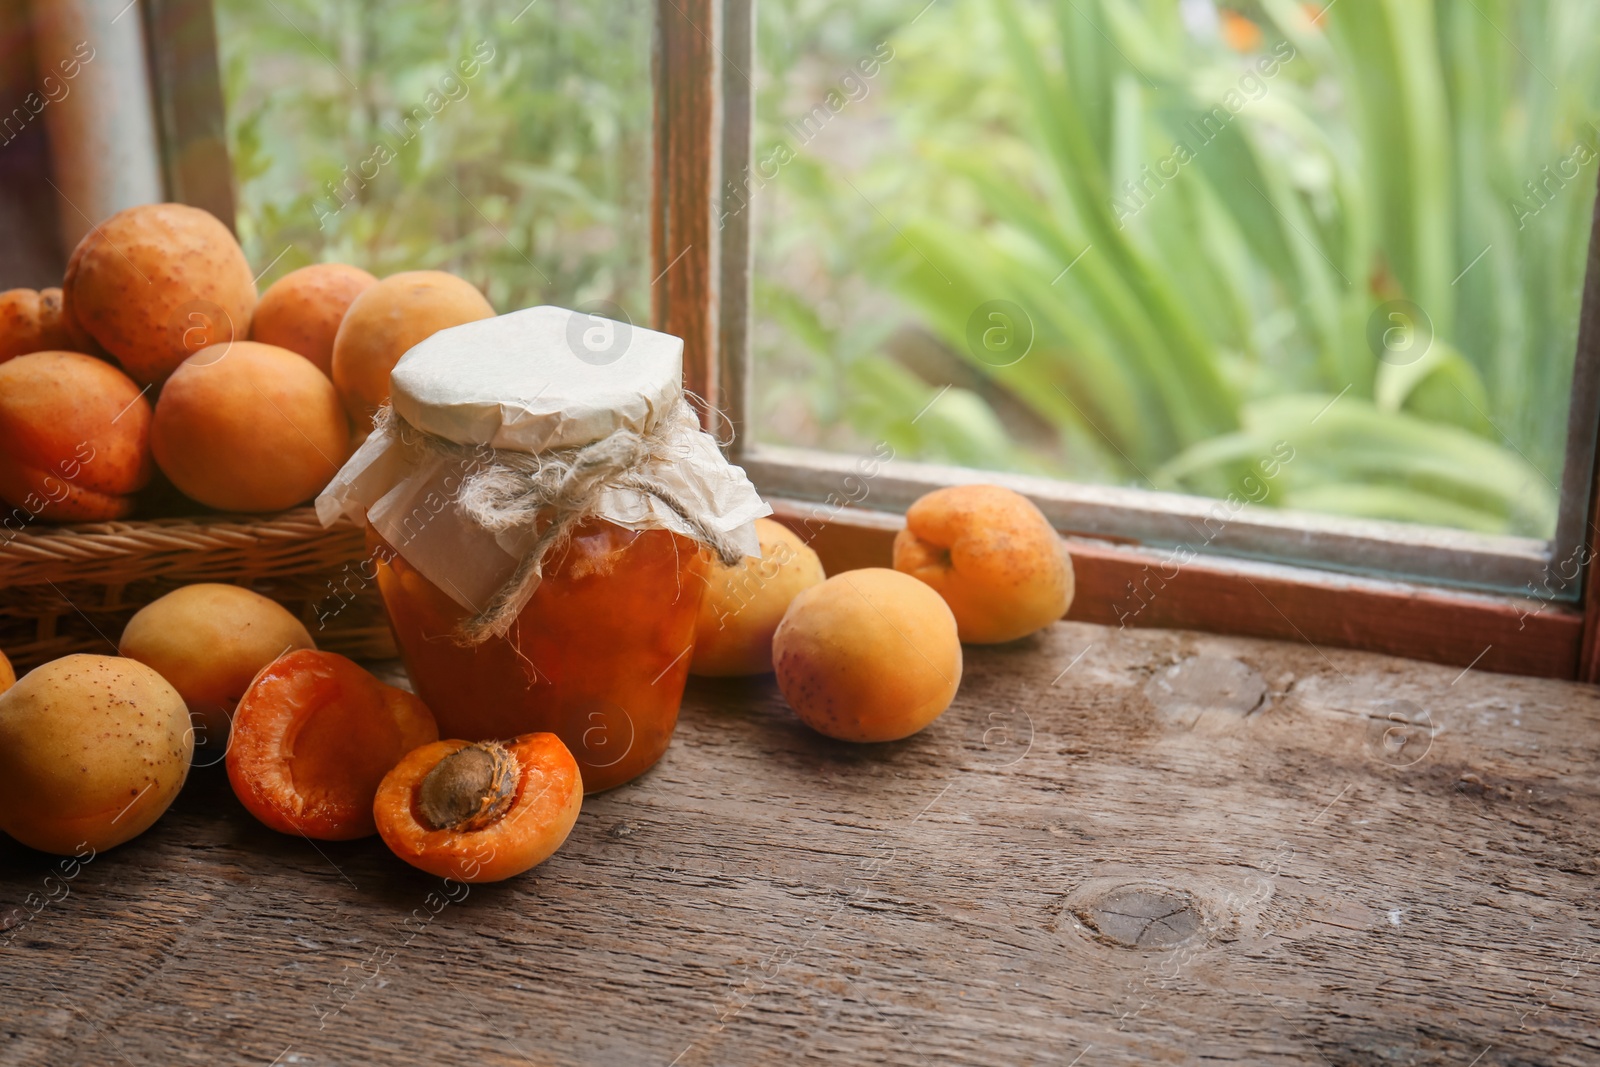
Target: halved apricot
{"points": [[480, 812], [312, 738]]}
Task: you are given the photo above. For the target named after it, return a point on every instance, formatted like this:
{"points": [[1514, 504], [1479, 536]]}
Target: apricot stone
{"points": [[92, 750], [156, 283], [74, 438], [302, 310], [868, 655], [744, 604], [384, 323], [210, 641], [993, 557], [249, 427]]}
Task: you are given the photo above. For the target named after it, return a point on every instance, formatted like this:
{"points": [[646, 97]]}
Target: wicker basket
{"points": [[67, 589]]}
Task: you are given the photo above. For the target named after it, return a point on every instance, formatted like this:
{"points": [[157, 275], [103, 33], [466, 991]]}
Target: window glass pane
{"points": [[508, 143], [1326, 257]]}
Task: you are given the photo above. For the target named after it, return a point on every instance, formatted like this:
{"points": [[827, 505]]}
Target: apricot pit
{"points": [[470, 788]]}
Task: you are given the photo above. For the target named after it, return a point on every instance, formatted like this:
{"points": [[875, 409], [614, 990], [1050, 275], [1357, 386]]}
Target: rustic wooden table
{"points": [[1116, 848]]}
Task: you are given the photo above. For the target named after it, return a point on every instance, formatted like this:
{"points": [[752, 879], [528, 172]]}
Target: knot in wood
{"points": [[1204, 686], [1142, 916]]}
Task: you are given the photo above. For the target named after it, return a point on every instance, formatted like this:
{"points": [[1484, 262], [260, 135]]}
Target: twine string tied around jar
{"points": [[559, 490]]}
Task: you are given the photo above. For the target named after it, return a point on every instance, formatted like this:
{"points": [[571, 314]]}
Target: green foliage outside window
{"points": [[1355, 233]]}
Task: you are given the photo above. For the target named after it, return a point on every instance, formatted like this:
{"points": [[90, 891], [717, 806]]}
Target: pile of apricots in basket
{"points": [[157, 359]]}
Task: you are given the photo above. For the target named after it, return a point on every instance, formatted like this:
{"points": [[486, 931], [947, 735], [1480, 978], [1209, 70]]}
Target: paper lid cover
{"points": [[533, 381], [537, 380]]}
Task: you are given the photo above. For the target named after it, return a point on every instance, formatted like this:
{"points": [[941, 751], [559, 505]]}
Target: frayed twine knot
{"points": [[554, 493]]}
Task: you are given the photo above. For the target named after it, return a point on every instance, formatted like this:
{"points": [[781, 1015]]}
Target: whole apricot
{"points": [[58, 330], [249, 427], [313, 737], [74, 438], [385, 321], [993, 557], [8, 674], [156, 283], [92, 750], [33, 321], [480, 812], [744, 603], [302, 310], [868, 655], [20, 330], [210, 641]]}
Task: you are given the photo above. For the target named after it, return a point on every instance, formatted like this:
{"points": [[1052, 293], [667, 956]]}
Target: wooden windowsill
{"points": [[1175, 522], [1130, 586], [1164, 845]]}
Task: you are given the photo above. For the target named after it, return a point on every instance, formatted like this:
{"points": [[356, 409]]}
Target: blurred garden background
{"points": [[508, 143], [1152, 243]]}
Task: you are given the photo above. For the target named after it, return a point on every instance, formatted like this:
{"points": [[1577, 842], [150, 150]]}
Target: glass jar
{"points": [[541, 501], [599, 656]]}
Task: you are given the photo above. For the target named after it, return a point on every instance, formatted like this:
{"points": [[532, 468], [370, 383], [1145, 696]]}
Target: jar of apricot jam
{"points": [[540, 504], [598, 657]]}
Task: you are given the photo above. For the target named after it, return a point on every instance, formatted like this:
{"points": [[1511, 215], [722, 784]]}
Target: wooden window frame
{"points": [[1514, 607], [1254, 578], [186, 89]]}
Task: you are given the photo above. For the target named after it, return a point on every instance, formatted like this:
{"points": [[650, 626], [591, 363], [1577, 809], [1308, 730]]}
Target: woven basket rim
{"points": [[64, 587], [293, 518], [113, 551]]}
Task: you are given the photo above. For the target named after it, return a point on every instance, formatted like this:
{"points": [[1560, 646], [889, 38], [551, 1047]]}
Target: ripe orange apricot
{"points": [[20, 331], [992, 555], [59, 331], [868, 655], [385, 321], [74, 438], [302, 310], [33, 321], [92, 750], [249, 427], [156, 283], [480, 812], [8, 673], [744, 603], [210, 641], [312, 738]]}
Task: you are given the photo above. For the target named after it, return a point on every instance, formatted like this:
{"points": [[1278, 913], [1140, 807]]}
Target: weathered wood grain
{"points": [[1116, 848]]}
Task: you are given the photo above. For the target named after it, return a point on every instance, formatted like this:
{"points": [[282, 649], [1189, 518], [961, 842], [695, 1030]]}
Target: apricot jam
{"points": [[599, 656]]}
